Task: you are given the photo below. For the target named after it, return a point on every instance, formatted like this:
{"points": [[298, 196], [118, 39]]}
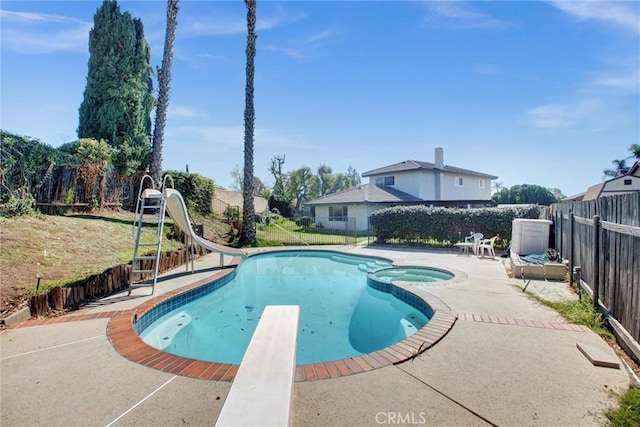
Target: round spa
{"points": [[341, 314], [411, 274]]}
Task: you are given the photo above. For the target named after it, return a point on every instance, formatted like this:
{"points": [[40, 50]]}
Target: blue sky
{"points": [[544, 93]]}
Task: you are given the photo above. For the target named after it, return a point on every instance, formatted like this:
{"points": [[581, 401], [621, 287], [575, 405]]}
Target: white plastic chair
{"points": [[470, 242], [487, 245]]}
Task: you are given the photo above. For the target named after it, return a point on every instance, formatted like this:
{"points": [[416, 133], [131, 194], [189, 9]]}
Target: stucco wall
{"points": [[223, 198], [617, 185], [359, 212], [470, 190], [422, 184]]}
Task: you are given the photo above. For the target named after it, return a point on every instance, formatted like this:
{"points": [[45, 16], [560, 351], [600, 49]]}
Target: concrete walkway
{"points": [[508, 361]]}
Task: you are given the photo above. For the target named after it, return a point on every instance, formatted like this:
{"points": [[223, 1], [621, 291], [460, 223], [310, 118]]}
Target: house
{"points": [[410, 182], [627, 183]]}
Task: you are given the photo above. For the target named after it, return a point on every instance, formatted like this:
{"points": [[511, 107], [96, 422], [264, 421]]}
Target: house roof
{"points": [[594, 191], [365, 193], [575, 198], [410, 165]]}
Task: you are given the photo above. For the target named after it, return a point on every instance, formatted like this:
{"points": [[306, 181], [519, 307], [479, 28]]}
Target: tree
{"points": [[341, 182], [621, 168], [164, 83], [330, 183], [248, 233], [326, 179], [303, 185], [237, 174], [94, 159], [354, 176], [279, 199], [525, 194], [497, 186], [118, 96], [277, 162], [557, 193]]}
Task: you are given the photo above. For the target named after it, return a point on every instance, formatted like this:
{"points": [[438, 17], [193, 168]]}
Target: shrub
{"points": [[282, 204], [17, 206], [196, 190], [305, 221], [410, 223]]}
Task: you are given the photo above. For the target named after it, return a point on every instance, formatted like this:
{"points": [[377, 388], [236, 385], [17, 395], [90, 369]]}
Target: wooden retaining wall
{"points": [[110, 281]]}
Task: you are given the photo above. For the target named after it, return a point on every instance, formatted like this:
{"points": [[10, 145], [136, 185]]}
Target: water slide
{"points": [[177, 210]]}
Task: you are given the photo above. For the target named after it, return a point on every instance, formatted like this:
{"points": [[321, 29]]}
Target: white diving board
{"points": [[260, 394]]}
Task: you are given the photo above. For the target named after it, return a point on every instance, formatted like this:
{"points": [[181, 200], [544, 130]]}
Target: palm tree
{"points": [[164, 81], [635, 151], [248, 234], [621, 168]]}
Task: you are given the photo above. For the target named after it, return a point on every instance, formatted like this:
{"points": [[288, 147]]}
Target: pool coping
{"points": [[126, 341]]}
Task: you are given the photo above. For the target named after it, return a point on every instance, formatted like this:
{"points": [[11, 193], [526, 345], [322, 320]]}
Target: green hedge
{"points": [[197, 190], [406, 224]]}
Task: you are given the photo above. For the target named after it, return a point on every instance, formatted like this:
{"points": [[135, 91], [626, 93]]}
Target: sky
{"points": [[540, 92]]}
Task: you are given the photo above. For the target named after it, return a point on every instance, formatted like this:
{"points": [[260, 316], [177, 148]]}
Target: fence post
{"points": [[560, 231], [596, 261], [572, 254], [576, 276]]}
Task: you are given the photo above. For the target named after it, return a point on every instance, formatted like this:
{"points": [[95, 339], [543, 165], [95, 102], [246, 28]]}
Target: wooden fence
{"points": [[602, 238], [66, 187]]}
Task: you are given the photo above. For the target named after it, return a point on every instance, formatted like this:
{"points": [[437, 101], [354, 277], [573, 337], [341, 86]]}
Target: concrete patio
{"points": [[507, 361]]}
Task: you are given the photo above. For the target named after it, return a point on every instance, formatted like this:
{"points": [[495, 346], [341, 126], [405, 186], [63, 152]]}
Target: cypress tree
{"points": [[118, 97]]}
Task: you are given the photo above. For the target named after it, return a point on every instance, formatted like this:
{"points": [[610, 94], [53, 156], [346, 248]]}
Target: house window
{"points": [[338, 213], [385, 180], [627, 182], [459, 181], [481, 183]]}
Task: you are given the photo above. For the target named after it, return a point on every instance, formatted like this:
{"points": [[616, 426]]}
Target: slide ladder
{"points": [[151, 205]]}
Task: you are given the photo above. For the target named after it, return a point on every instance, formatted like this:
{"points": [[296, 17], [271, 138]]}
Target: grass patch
{"points": [[287, 232], [578, 312], [627, 414]]}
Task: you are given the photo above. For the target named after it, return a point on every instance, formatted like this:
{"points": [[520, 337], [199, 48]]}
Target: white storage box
{"points": [[530, 236]]}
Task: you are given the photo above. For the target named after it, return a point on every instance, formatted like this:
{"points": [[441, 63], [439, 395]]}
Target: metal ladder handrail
{"points": [[138, 226]]}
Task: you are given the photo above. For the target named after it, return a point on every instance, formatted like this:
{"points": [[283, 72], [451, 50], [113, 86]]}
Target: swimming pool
{"points": [[341, 316]]}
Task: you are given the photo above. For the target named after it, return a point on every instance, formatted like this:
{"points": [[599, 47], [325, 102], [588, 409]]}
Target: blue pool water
{"points": [[340, 315], [413, 274]]}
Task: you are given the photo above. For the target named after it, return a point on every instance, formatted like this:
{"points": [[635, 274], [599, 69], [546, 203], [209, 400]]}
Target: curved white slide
{"points": [[177, 210]]}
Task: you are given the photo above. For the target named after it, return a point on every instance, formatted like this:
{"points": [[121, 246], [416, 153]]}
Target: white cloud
{"points": [[322, 35], [625, 82], [551, 116], [197, 135], [593, 114], [287, 51], [200, 136], [204, 25], [459, 15], [29, 18], [184, 111], [622, 14], [36, 33]]}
